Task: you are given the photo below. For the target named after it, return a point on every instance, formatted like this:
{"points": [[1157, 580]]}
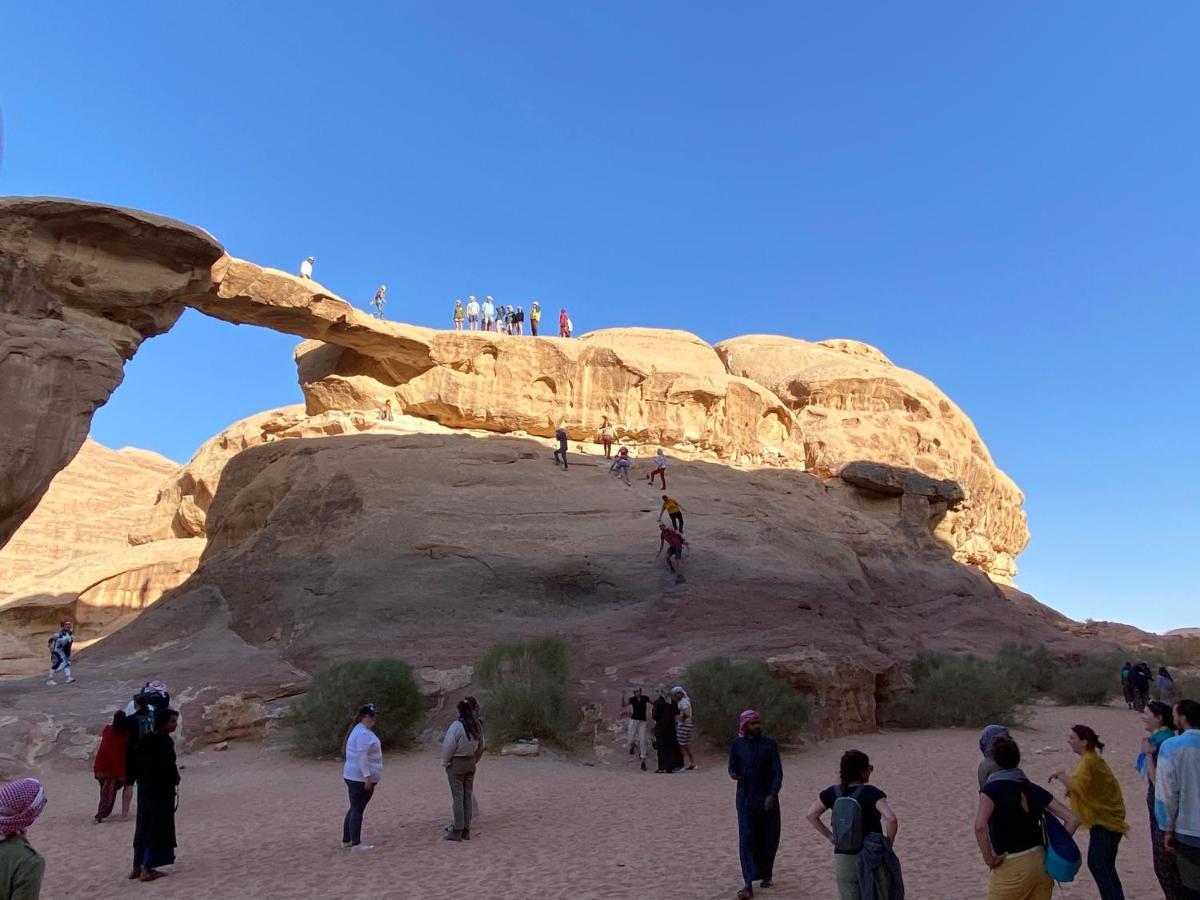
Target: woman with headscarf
{"points": [[461, 750], [665, 742], [755, 765], [988, 764], [110, 767], [157, 778], [685, 728], [21, 867]]}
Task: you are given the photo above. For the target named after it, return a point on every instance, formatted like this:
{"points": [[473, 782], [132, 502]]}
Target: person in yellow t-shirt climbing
{"points": [[671, 507]]}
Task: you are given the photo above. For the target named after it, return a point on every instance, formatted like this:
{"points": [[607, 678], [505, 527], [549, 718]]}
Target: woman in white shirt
{"points": [[362, 771], [461, 750]]}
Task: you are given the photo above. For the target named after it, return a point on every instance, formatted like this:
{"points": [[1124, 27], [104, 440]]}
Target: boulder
{"points": [[523, 749], [854, 405]]}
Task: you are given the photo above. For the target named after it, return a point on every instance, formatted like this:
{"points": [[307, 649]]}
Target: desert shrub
{"points": [[1182, 651], [721, 688], [322, 717], [1029, 668], [950, 690], [526, 691], [1088, 681], [1187, 686]]}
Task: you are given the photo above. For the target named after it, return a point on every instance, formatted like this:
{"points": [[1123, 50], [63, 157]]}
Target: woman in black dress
{"points": [[670, 758], [157, 778]]}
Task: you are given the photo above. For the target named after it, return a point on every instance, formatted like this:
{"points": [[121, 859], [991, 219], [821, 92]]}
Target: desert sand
{"points": [[255, 822]]}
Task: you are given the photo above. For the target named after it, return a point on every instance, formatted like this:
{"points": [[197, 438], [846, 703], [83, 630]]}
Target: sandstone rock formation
{"points": [[854, 404], [81, 286]]}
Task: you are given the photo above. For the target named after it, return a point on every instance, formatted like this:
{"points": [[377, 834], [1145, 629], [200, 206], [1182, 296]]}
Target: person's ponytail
{"points": [[1089, 737]]}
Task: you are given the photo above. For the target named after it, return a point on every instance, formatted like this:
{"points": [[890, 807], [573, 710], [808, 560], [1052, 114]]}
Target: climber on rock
{"points": [[620, 464], [674, 542]]}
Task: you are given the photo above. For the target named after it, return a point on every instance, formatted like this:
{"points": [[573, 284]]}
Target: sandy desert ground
{"points": [[257, 823]]}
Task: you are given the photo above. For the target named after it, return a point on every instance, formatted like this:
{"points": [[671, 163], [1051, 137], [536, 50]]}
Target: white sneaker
{"points": [[52, 682], [70, 681], [363, 847]]}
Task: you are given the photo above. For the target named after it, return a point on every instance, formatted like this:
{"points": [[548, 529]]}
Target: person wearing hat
{"points": [[157, 780], [21, 867], [306, 268], [755, 765], [535, 316], [60, 651], [362, 770]]}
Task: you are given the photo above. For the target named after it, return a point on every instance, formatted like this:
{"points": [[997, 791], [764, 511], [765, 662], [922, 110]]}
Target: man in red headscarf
{"points": [[755, 764], [21, 867]]}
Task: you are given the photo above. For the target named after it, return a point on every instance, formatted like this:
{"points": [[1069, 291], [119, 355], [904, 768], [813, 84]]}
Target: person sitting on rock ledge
{"points": [[306, 268]]}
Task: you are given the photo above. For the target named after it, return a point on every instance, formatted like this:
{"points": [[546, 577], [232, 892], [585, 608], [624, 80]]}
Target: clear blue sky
{"points": [[1005, 199]]}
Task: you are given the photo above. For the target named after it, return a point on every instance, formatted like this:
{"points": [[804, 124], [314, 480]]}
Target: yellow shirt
{"points": [[1096, 795], [670, 505]]}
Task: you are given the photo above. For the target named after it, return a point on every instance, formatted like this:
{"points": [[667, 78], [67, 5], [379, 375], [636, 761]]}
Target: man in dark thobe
{"points": [[670, 758], [754, 763]]}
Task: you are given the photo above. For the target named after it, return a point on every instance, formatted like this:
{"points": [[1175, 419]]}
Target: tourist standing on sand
{"points": [[660, 469], [670, 759], [607, 435], [306, 268], [487, 313], [21, 867], [1177, 796], [673, 509], [472, 313], [755, 765], [639, 738], [386, 414], [361, 772], [620, 465], [863, 831], [110, 767], [564, 323], [1126, 684], [1141, 678], [1008, 828], [535, 317], [1159, 721], [988, 764], [674, 542], [685, 725], [1164, 686], [157, 778], [461, 749], [60, 651], [459, 314], [379, 301], [1096, 798], [560, 434]]}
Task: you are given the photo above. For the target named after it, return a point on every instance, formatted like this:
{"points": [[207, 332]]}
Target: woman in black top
{"points": [[1008, 828]]}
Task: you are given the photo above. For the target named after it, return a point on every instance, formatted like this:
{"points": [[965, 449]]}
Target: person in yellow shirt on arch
{"points": [[535, 317], [672, 508]]}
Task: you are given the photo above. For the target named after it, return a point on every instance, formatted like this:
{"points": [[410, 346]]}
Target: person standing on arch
{"points": [[380, 301], [472, 313], [306, 268], [535, 317], [564, 323]]}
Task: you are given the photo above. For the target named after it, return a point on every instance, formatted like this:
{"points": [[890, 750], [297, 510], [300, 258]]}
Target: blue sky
{"points": [[1005, 199]]}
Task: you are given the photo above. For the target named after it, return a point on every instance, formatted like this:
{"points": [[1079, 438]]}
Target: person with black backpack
{"points": [[862, 831]]}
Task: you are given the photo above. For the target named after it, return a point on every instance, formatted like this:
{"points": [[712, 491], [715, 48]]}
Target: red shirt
{"points": [[110, 758], [672, 537]]}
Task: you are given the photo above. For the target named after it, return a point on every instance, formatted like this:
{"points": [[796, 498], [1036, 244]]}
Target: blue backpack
{"points": [[1063, 858]]}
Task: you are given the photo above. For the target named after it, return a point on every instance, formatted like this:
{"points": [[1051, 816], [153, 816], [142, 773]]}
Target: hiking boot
{"points": [[466, 834]]}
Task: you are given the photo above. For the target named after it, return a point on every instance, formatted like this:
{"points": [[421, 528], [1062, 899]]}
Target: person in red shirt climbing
{"points": [[674, 542]]}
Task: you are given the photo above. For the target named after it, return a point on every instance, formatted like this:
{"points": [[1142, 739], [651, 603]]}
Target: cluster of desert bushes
{"points": [[525, 691]]}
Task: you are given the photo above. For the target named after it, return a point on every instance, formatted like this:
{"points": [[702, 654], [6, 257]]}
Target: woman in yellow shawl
{"points": [[1096, 798]]}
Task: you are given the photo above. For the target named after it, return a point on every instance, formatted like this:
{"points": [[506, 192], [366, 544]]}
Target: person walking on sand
{"points": [[1095, 797], [157, 780], [535, 318], [638, 737], [1141, 678], [60, 651], [560, 434], [620, 465], [670, 759], [306, 268], [607, 435], [1164, 686], [660, 469], [379, 301], [755, 765], [1159, 722], [674, 542], [1177, 796], [459, 314], [988, 764], [386, 414], [21, 867], [863, 831], [110, 766], [461, 749], [472, 313], [685, 725], [1008, 828], [564, 323], [672, 508], [1126, 684], [361, 772]]}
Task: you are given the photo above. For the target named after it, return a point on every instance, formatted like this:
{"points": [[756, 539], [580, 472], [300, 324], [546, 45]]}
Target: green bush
{"points": [[1089, 681], [322, 718], [1029, 668], [721, 688], [963, 691], [1183, 650], [526, 691]]}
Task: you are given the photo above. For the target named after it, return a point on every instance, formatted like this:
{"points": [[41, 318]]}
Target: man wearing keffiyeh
{"points": [[21, 867], [755, 764]]}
